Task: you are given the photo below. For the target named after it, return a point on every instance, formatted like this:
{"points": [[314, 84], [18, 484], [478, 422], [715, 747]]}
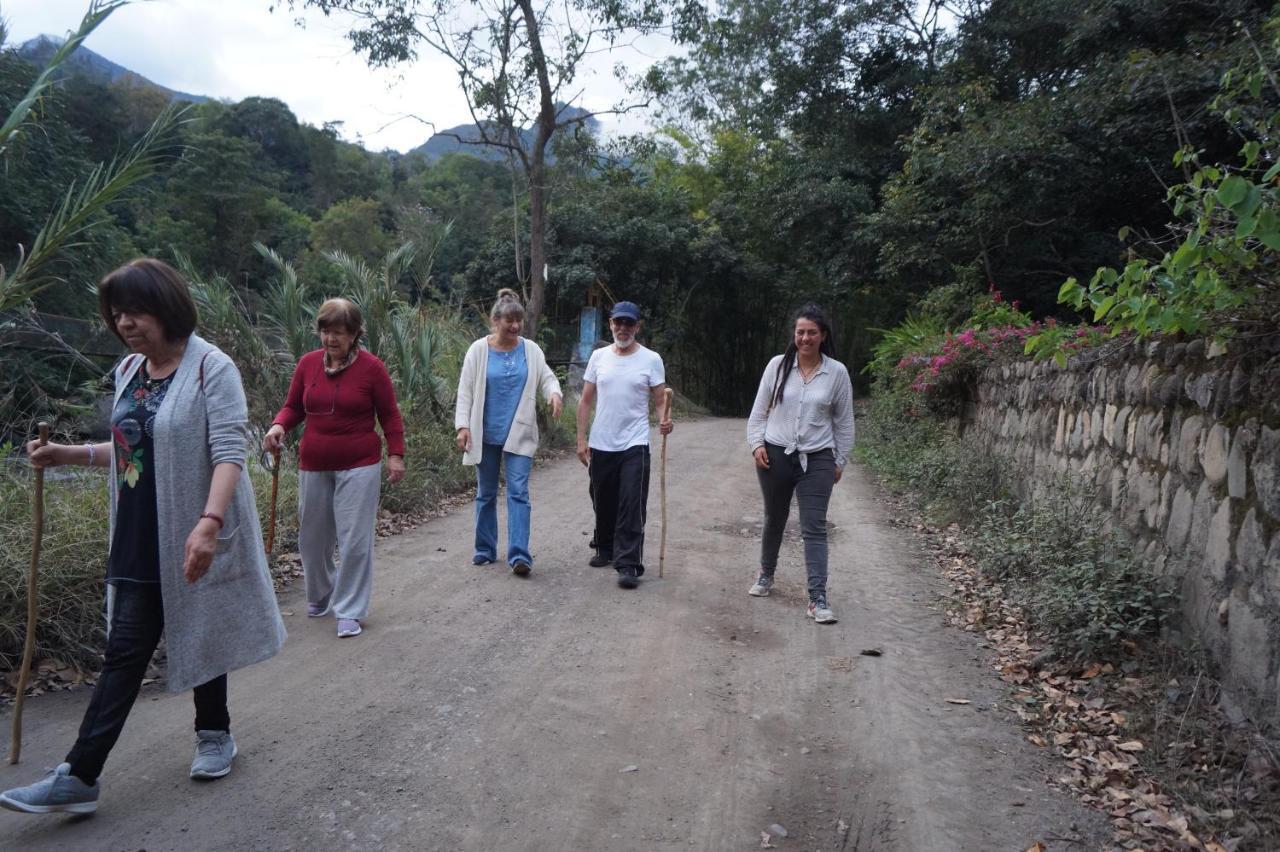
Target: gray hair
{"points": [[507, 306]]}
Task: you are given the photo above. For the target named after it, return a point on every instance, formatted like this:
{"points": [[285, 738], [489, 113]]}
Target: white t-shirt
{"points": [[623, 386]]}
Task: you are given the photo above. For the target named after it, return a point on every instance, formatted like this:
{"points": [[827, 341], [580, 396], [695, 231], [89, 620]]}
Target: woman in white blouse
{"points": [[801, 431]]}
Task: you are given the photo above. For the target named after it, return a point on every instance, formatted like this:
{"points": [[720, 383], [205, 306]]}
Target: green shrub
{"points": [[918, 453], [1076, 582]]}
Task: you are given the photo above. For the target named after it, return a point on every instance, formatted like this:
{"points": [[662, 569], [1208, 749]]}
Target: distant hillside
{"points": [[94, 66], [445, 142]]}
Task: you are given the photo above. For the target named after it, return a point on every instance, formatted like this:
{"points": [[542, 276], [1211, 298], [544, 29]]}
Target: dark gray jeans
{"points": [[812, 489]]}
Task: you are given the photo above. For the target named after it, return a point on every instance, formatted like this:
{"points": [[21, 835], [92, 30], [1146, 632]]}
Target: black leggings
{"points": [[136, 621]]}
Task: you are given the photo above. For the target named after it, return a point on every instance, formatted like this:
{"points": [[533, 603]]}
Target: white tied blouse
{"points": [[812, 416]]}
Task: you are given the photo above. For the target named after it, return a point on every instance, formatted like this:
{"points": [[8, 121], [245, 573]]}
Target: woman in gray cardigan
{"points": [[186, 557], [497, 424]]}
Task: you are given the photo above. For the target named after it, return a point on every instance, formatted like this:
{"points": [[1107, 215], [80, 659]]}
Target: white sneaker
{"points": [[821, 613], [762, 587]]}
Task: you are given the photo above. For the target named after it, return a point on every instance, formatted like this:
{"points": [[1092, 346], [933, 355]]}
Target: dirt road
{"points": [[484, 711]]}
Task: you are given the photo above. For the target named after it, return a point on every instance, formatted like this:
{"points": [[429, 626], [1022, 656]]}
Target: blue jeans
{"points": [[517, 470]]}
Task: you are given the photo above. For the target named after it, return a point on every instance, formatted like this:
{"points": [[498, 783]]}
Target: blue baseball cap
{"points": [[626, 310]]}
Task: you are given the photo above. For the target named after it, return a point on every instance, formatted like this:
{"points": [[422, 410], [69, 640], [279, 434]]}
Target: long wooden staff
{"points": [[275, 488], [666, 415], [28, 650]]}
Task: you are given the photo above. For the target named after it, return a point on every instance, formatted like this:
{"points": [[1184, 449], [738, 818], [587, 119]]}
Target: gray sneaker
{"points": [[821, 612], [214, 752], [762, 587], [59, 791]]}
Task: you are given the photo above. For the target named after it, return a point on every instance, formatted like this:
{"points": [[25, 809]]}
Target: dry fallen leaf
{"points": [[1131, 745], [1036, 847], [958, 701]]}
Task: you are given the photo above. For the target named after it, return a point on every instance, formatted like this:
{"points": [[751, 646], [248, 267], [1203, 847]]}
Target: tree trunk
{"points": [[537, 240], [546, 125]]}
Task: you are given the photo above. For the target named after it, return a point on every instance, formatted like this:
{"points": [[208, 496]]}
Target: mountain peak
{"points": [[92, 66]]}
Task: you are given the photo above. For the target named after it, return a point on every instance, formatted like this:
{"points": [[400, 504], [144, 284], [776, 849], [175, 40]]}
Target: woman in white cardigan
{"points": [[497, 425]]}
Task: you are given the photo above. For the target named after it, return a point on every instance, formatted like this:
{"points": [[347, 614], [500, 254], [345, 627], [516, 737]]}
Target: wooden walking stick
{"points": [[662, 478], [28, 649], [275, 487]]}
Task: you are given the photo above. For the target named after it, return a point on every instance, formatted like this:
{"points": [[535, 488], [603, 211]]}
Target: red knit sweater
{"points": [[339, 413]]}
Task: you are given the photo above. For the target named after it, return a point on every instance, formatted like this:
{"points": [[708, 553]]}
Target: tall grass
{"points": [[72, 565]]}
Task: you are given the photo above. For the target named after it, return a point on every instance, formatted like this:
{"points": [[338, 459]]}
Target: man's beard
{"points": [[631, 341]]}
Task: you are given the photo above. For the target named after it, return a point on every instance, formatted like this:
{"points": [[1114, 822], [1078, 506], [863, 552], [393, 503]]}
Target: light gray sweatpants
{"points": [[338, 508]]}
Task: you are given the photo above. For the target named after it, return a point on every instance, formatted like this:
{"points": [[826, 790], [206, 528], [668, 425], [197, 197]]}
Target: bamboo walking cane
{"points": [[662, 478], [28, 649], [275, 488]]}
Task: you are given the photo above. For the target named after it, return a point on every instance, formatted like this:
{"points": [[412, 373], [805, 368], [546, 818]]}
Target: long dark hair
{"points": [[818, 317]]}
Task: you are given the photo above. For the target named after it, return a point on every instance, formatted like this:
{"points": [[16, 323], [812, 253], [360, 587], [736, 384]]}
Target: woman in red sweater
{"points": [[337, 390]]}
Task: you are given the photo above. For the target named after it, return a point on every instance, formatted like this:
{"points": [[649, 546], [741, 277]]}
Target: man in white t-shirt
{"points": [[619, 382]]}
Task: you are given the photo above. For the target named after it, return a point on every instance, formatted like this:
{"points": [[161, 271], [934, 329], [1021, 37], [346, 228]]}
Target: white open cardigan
{"points": [[469, 412]]}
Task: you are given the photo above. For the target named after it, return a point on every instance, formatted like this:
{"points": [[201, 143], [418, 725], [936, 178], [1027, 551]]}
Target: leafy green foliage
{"points": [[99, 11], [1220, 266], [1053, 555], [914, 335], [1076, 581]]}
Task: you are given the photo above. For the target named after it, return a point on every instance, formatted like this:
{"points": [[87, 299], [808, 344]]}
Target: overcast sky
{"points": [[233, 49]]}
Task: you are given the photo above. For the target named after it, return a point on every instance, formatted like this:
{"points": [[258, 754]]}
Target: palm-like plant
{"points": [[225, 320], [396, 331], [913, 335], [288, 312], [69, 225]]}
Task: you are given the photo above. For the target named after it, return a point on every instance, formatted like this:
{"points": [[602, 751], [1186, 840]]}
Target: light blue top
{"points": [[505, 376]]}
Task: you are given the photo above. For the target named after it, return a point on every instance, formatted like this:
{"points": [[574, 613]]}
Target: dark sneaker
{"points": [[214, 752], [763, 586], [348, 627], [600, 561], [59, 791], [521, 569], [315, 610], [627, 578]]}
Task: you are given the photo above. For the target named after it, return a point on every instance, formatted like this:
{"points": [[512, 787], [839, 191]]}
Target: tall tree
{"points": [[518, 62]]}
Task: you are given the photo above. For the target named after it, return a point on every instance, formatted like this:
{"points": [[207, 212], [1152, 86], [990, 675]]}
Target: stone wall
{"points": [[1183, 442]]}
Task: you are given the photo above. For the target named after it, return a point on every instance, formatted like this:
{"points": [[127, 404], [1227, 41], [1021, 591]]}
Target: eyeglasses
{"points": [[625, 322], [310, 394]]}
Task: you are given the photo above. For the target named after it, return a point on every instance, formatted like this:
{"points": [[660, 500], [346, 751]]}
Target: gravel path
{"points": [[484, 711]]}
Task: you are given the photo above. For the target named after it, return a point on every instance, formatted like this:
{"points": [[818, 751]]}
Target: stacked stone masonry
{"points": [[1182, 439]]}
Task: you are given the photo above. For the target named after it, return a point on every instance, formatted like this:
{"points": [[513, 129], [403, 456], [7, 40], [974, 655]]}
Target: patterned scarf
{"points": [[350, 359]]}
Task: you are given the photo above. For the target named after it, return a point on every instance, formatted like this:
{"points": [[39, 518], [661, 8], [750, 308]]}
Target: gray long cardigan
{"points": [[229, 618]]}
